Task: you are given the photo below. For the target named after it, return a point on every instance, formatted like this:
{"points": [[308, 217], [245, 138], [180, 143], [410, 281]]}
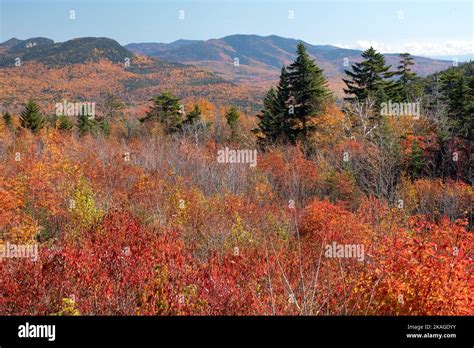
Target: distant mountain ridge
{"points": [[88, 68], [236, 68], [152, 48], [261, 57], [46, 51]]}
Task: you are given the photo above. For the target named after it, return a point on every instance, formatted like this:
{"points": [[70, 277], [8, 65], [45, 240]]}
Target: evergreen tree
{"points": [[307, 94], [459, 97], [273, 124], [300, 96], [85, 124], [415, 160], [370, 78], [270, 119], [166, 109], [7, 118], [283, 97], [232, 116], [31, 117], [64, 123], [406, 78]]}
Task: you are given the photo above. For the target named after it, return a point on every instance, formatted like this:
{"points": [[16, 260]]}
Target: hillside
{"points": [[189, 68], [86, 68], [261, 58], [81, 50], [464, 69]]}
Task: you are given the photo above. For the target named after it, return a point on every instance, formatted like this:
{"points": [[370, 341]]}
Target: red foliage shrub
{"points": [[426, 270], [290, 173]]}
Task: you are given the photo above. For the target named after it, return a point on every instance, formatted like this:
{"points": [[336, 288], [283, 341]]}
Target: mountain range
{"points": [[88, 68], [260, 58], [44, 50], [236, 69]]}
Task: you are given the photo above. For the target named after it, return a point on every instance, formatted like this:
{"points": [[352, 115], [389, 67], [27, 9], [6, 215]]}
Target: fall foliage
{"points": [[154, 226], [358, 214]]}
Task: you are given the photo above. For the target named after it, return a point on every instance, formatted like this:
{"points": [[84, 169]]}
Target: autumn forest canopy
{"points": [[134, 185]]}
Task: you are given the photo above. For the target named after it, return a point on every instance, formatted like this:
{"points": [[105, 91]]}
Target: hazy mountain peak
{"points": [[73, 51], [11, 42]]}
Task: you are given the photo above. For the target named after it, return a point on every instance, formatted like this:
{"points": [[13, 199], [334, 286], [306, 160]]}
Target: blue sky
{"points": [[430, 28]]}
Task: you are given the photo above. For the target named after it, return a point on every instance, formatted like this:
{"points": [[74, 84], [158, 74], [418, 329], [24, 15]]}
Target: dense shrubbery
{"points": [[169, 230], [143, 219]]}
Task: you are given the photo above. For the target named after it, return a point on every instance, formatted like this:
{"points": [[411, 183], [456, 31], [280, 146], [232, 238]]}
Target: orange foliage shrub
{"points": [[166, 230], [426, 270], [290, 173]]}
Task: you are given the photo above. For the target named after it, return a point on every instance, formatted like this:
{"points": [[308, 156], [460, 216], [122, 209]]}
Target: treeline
{"points": [[302, 94], [440, 143], [85, 122]]}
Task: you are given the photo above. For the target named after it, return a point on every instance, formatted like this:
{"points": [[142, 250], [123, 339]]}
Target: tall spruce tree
{"points": [[270, 119], [370, 78], [458, 95], [31, 117], [299, 98], [404, 84], [273, 124], [308, 93], [283, 94]]}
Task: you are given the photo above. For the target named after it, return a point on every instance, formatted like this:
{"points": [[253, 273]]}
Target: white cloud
{"points": [[446, 48]]}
